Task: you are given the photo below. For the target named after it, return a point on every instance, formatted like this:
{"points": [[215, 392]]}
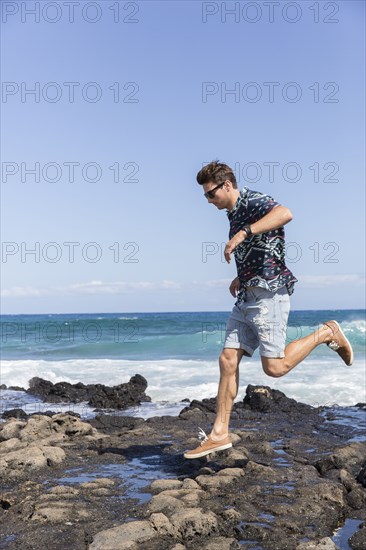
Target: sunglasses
{"points": [[210, 194]]}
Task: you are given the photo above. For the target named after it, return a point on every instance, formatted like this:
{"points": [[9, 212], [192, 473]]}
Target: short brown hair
{"points": [[216, 172]]}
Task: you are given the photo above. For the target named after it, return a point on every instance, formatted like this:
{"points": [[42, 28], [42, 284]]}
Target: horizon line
{"points": [[163, 312]]}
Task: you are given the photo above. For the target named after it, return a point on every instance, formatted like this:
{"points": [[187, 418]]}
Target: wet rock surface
{"points": [[291, 479], [97, 395]]}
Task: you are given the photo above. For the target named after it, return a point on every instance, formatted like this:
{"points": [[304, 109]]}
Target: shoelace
{"points": [[333, 345], [202, 435]]}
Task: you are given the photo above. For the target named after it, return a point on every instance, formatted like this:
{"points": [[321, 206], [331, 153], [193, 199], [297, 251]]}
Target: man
{"points": [[262, 288]]}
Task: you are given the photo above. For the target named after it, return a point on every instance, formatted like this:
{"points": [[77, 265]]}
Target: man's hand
{"points": [[234, 287], [233, 243]]}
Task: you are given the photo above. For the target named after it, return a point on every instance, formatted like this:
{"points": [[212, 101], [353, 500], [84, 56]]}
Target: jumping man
{"points": [[262, 288]]}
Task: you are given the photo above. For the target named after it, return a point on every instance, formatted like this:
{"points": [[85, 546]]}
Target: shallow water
{"points": [[281, 460], [6, 540], [267, 517], [342, 534], [250, 544], [135, 475], [353, 418]]}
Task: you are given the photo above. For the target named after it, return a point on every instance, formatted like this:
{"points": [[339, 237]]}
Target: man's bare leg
{"points": [[229, 373], [296, 351], [329, 333], [228, 390]]}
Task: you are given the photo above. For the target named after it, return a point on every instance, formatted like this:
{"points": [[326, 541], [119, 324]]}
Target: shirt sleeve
{"points": [[259, 205]]}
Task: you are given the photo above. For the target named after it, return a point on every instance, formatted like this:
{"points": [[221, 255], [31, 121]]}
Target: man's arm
{"points": [[234, 287], [277, 217]]}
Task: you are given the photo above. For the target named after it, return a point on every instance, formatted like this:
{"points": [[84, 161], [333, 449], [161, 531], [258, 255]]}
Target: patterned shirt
{"points": [[260, 259]]}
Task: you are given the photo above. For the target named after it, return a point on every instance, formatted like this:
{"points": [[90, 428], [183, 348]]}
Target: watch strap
{"points": [[247, 230]]}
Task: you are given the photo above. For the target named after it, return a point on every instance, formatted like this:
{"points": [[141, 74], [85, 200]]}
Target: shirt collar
{"points": [[239, 202]]}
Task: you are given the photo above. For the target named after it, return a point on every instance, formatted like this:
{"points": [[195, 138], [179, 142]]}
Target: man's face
{"points": [[218, 194]]}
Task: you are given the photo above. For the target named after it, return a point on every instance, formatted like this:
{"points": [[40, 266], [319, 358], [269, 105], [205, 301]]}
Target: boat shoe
{"points": [[208, 446], [339, 343]]}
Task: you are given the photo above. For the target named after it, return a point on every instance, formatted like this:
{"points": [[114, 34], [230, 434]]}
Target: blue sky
{"points": [[278, 95]]}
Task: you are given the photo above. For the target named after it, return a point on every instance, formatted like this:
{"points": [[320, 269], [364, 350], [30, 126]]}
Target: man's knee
{"points": [[229, 361], [274, 367]]}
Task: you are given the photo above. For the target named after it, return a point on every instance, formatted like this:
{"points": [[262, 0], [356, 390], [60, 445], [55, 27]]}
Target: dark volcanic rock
{"points": [[361, 476], [121, 396], [358, 540], [15, 413], [59, 392], [356, 499], [206, 405], [288, 482], [349, 457], [264, 399], [97, 395], [106, 423]]}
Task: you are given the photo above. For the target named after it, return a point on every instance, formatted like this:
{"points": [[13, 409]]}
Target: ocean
{"points": [[176, 352]]}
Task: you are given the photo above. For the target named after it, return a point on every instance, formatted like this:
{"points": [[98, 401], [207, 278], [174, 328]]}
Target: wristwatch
{"points": [[247, 230]]}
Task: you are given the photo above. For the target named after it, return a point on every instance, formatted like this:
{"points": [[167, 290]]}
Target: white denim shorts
{"points": [[259, 321]]}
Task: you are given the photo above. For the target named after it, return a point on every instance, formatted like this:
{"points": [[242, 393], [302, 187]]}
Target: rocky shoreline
{"points": [[120, 482]]}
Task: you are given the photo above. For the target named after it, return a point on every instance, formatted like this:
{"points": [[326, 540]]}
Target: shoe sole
{"points": [[348, 342], [204, 453]]}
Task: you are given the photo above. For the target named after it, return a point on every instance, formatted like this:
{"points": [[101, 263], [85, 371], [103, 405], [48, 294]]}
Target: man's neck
{"points": [[233, 198]]}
